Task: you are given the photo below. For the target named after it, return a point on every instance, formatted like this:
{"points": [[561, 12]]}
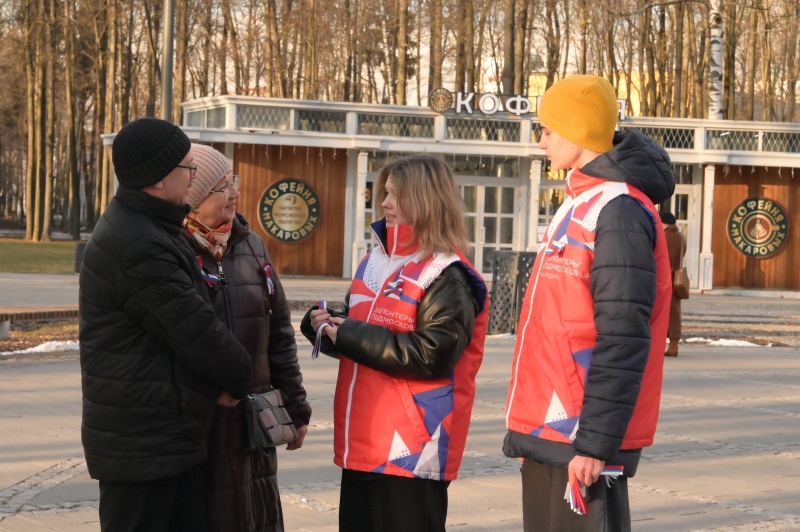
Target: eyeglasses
{"points": [[192, 169], [233, 184]]}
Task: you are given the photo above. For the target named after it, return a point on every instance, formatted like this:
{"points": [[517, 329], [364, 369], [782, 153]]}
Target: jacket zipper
{"points": [[355, 366]]}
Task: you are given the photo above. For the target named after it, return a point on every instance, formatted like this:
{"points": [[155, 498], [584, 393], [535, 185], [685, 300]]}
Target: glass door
{"points": [[490, 222], [551, 196], [686, 209]]}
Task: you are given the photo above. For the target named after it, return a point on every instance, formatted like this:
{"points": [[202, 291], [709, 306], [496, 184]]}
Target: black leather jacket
{"points": [[444, 325]]}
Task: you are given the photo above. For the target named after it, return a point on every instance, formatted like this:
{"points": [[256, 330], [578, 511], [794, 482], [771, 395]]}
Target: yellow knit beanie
{"points": [[583, 110]]}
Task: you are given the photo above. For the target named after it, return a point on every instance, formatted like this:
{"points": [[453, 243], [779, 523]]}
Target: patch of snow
{"points": [[723, 342], [47, 347], [504, 336]]}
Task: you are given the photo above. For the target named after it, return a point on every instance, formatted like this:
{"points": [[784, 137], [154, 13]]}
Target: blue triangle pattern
{"points": [[583, 357], [409, 463], [564, 426], [437, 405]]}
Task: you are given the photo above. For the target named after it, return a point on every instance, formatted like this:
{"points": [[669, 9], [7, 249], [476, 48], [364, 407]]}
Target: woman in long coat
{"points": [[676, 245], [241, 484]]}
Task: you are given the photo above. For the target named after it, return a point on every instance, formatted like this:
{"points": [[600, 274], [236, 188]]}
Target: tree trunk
{"points": [[388, 50], [312, 52], [461, 45], [436, 57], [402, 51], [793, 8], [73, 177], [584, 29], [232, 46], [650, 58], [766, 68], [750, 74], [30, 77], [50, 122], [469, 50], [181, 43], [677, 97], [41, 127], [152, 19], [108, 124], [479, 48], [553, 42], [521, 22], [715, 99], [509, 27], [729, 62]]}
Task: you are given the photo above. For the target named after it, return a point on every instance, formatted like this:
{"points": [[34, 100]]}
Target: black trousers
{"points": [[544, 508], [372, 502], [174, 504]]}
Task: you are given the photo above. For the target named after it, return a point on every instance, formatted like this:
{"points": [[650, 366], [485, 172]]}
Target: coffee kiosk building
{"points": [[307, 170]]}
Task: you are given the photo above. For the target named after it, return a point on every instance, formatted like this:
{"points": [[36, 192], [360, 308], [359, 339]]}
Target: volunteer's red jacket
{"points": [[409, 352], [587, 369]]}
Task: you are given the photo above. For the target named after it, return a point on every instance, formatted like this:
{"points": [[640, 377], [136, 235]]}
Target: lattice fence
{"points": [[723, 139], [668, 137], [510, 274], [395, 125], [258, 117], [487, 130], [322, 121]]}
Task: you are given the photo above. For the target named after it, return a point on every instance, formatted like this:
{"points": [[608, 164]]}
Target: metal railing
{"points": [[687, 140]]}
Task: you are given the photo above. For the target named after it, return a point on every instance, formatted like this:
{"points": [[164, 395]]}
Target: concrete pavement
{"points": [[763, 320], [727, 452]]}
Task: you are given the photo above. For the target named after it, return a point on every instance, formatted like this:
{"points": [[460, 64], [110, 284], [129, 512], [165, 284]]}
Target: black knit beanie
{"points": [[667, 217], [146, 150]]}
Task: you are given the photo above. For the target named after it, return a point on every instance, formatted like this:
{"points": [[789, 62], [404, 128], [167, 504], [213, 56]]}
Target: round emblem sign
{"points": [[289, 210], [757, 227], [440, 100]]}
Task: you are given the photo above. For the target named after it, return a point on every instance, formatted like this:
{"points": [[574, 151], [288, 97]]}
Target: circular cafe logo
{"points": [[757, 227], [440, 100], [289, 210]]}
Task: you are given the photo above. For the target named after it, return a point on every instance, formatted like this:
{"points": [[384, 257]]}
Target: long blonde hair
{"points": [[429, 197]]}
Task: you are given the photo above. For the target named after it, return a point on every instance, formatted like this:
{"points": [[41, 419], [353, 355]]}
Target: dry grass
{"points": [[20, 256]]}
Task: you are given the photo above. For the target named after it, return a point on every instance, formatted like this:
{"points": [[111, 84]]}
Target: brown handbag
{"points": [[680, 283], [268, 422]]}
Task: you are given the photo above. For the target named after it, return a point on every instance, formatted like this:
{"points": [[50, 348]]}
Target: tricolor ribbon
{"points": [[208, 277], [318, 340], [576, 495], [266, 267]]}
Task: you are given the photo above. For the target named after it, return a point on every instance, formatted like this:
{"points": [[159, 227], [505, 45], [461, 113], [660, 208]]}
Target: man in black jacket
{"points": [[155, 360]]}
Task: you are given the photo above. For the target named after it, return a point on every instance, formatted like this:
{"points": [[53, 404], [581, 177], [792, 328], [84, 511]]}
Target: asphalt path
{"points": [[726, 457]]}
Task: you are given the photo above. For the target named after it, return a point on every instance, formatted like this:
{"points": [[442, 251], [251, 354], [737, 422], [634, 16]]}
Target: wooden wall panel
{"points": [[733, 269], [321, 253]]}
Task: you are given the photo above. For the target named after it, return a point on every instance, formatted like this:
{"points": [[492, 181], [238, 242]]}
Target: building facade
{"points": [[307, 170]]}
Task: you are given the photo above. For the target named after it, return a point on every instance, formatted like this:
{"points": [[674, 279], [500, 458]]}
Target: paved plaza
{"points": [[727, 453]]}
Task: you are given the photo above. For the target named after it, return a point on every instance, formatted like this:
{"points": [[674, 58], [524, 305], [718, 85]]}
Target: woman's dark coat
{"points": [[676, 245], [242, 485]]}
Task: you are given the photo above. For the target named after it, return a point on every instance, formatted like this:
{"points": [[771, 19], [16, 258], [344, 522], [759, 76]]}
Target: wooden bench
{"points": [[9, 314]]}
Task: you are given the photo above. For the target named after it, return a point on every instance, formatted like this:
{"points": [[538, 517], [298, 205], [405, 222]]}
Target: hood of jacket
{"points": [[636, 160]]}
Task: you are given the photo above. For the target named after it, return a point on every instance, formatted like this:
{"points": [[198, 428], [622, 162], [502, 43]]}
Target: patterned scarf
{"points": [[212, 240]]}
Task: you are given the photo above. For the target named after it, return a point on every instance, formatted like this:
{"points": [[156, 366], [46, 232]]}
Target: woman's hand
{"points": [[301, 435], [320, 316], [226, 399]]}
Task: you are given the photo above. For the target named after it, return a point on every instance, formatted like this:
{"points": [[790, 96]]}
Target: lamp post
{"points": [[166, 65]]}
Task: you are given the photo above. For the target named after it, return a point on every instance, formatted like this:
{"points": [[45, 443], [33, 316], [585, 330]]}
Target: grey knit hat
{"points": [[211, 167], [146, 150]]}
